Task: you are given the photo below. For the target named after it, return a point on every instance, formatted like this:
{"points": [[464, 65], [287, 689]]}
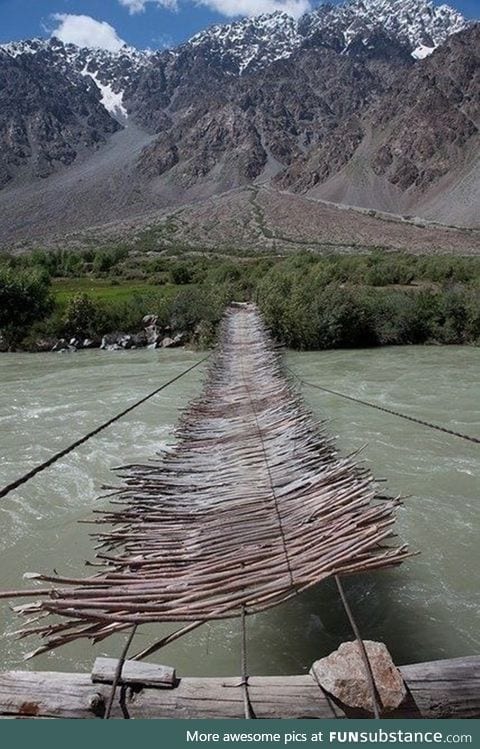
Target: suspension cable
{"points": [[54, 458], [428, 424]]}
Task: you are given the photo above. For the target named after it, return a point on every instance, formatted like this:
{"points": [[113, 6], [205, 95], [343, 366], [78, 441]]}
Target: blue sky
{"points": [[141, 23]]}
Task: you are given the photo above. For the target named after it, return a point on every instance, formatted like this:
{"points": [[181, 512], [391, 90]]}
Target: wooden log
{"points": [[441, 689], [133, 672], [447, 688]]}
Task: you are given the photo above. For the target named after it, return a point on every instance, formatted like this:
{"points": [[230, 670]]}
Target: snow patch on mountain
{"points": [[111, 100]]}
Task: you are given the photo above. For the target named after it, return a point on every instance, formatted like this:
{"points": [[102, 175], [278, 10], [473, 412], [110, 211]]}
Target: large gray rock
{"points": [[139, 339], [117, 342], [149, 321], [175, 342], [126, 341], [152, 334], [43, 344], [60, 345], [343, 675]]}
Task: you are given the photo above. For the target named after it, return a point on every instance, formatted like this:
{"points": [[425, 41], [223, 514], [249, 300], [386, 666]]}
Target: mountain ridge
{"points": [[352, 104], [418, 24]]}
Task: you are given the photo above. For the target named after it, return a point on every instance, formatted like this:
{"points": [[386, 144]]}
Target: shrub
{"points": [[24, 298], [393, 318], [82, 316], [204, 335], [181, 274], [472, 322]]}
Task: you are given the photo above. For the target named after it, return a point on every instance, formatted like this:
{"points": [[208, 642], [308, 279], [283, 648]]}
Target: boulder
{"points": [[60, 345], [88, 343], [43, 344], [343, 675], [107, 341], [179, 339], [125, 341], [149, 321], [115, 341], [152, 334], [174, 342], [139, 339]]}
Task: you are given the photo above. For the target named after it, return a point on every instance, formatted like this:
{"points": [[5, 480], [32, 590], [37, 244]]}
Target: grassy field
{"points": [[106, 290]]}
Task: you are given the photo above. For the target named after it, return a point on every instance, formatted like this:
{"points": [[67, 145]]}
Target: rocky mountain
{"points": [[372, 102], [48, 116], [250, 44], [423, 127]]}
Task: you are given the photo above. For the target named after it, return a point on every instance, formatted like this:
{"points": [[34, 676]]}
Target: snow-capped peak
{"points": [[420, 24], [111, 100], [250, 43]]}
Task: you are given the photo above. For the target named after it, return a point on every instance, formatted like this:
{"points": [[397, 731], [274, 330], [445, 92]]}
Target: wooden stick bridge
{"points": [[252, 506]]}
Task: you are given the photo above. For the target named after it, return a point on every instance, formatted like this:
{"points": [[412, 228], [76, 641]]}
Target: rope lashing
{"points": [[247, 705], [118, 672], [61, 454], [437, 427], [376, 700]]}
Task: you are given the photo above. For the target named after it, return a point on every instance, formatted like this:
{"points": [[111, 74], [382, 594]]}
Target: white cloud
{"points": [[85, 31], [138, 6], [229, 8]]}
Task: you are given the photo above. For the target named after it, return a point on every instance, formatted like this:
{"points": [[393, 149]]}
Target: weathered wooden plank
{"points": [[47, 695], [441, 689], [133, 672], [446, 688]]}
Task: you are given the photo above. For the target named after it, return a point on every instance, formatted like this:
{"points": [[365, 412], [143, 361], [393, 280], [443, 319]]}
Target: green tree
{"points": [[82, 316], [24, 298], [181, 274], [103, 262]]}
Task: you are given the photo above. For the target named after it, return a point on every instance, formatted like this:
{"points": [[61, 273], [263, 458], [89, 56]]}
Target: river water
{"points": [[427, 609]]}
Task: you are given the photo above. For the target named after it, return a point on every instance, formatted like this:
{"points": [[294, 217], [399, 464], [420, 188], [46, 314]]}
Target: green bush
{"points": [[204, 335], [24, 298], [472, 323], [181, 274], [82, 316], [198, 304]]}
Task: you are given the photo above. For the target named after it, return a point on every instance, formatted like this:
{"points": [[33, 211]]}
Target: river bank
{"points": [[310, 302]]}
